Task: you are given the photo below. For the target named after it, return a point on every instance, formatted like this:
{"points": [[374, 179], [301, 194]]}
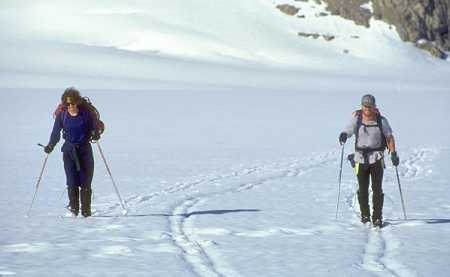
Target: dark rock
{"points": [[323, 14], [413, 19], [350, 9], [417, 19], [431, 47], [316, 36], [313, 35], [301, 16], [288, 9]]}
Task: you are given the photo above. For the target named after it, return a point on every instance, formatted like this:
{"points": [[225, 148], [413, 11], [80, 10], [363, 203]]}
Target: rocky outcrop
{"points": [[431, 47], [350, 9], [422, 22], [288, 9], [316, 36], [307, 35], [417, 19], [414, 20]]}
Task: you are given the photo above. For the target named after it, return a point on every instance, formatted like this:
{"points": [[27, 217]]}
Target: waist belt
{"points": [[72, 150]]}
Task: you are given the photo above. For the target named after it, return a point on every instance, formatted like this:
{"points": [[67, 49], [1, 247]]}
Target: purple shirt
{"points": [[77, 129]]}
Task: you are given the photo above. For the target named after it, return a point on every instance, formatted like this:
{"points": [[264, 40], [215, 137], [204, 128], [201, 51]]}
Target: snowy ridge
{"points": [[158, 40]]}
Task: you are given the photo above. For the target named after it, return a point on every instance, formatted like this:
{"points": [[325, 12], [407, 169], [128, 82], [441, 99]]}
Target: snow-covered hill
{"points": [[99, 43]]}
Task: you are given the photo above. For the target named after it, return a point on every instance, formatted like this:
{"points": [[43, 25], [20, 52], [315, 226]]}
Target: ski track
{"points": [[179, 187], [382, 247], [294, 168], [380, 250], [415, 165], [194, 254]]}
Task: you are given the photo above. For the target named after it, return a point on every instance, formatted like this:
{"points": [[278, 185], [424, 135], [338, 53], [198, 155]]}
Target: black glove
{"points": [[49, 148], [95, 136], [351, 159], [395, 159], [343, 138]]}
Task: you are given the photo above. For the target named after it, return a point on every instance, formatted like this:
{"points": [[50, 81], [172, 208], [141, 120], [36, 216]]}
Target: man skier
{"points": [[372, 135]]}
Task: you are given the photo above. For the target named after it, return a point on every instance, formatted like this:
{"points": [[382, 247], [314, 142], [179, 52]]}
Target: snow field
{"points": [[224, 183]]}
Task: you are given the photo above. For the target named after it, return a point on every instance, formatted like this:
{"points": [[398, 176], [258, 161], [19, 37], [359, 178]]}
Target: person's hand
{"points": [[395, 159], [343, 138], [351, 159], [48, 149], [95, 136]]}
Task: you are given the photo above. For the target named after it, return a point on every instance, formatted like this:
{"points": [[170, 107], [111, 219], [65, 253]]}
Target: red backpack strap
{"points": [[58, 110]]}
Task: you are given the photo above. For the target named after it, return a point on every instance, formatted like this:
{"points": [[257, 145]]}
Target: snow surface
{"points": [[225, 183], [221, 135]]}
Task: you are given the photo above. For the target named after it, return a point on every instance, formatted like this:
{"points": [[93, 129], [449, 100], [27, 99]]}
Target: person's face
{"points": [[71, 104], [368, 110]]}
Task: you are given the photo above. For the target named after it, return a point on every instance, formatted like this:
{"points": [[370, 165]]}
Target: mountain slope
{"points": [[142, 42]]}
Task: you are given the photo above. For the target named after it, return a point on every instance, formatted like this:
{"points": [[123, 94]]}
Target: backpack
{"points": [[359, 123], [86, 104]]}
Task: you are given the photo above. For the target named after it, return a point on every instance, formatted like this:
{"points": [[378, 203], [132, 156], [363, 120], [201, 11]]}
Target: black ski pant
{"points": [[79, 168], [78, 164], [365, 173]]}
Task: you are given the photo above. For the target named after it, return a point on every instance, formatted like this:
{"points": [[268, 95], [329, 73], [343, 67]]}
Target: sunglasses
{"points": [[368, 107], [71, 103]]}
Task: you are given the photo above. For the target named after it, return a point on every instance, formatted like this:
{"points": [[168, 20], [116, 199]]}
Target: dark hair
{"points": [[73, 93]]}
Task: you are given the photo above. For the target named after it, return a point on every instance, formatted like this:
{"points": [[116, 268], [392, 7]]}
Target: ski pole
{"points": [[38, 182], [401, 194], [339, 181], [112, 179]]}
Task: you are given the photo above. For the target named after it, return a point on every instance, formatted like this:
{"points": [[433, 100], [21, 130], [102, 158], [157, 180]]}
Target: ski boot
{"points": [[364, 208], [85, 198], [378, 200], [365, 219], [74, 202], [377, 223]]}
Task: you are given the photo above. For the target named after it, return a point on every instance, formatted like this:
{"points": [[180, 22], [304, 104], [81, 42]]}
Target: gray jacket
{"points": [[369, 137]]}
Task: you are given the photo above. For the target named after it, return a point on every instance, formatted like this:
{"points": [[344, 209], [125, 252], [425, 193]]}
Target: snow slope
{"points": [[225, 183], [106, 44], [221, 134]]}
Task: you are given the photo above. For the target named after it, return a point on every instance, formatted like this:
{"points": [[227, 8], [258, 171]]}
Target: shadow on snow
{"points": [[420, 220], [209, 212]]}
